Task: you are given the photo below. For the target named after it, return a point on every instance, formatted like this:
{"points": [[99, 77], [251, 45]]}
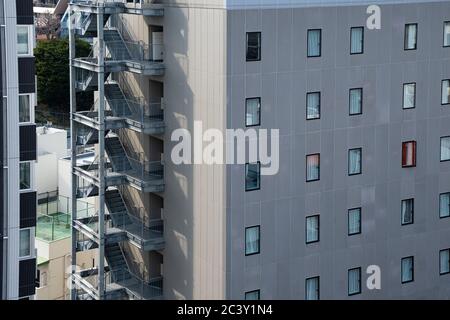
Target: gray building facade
{"points": [[363, 173]]}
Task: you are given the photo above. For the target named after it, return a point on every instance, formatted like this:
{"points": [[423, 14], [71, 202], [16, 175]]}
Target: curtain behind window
{"points": [[354, 161], [407, 269], [251, 240], [444, 205], [445, 91], [313, 43], [409, 92], [312, 229], [354, 281], [312, 289], [407, 211], [355, 101], [356, 40], [354, 221], [312, 167], [444, 258], [445, 148]]}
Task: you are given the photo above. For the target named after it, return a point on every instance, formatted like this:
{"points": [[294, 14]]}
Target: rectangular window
{"points": [[444, 261], [252, 176], [253, 46], [411, 36], [409, 154], [312, 167], [445, 148], [312, 290], [409, 95], [355, 101], [354, 281], [356, 40], [25, 175], [354, 221], [445, 92], [407, 269], [23, 40], [252, 112], [25, 108], [252, 236], [312, 229], [253, 295], [25, 243], [314, 42], [444, 205], [312, 105], [354, 161], [447, 34], [407, 211]]}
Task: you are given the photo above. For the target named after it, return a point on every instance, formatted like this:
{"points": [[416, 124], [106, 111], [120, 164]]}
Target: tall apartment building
{"points": [[364, 181], [18, 150]]}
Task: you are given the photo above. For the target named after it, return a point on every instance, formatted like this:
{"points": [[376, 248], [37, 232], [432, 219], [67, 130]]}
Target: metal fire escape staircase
{"points": [[123, 222]]}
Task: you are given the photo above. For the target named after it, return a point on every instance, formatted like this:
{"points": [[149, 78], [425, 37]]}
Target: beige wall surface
{"points": [[194, 203]]}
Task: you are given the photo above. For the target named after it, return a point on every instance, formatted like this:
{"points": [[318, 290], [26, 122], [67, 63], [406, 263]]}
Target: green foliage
{"points": [[52, 69]]}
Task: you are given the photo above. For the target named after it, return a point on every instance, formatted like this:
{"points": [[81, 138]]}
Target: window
{"points": [[23, 40], [409, 95], [253, 46], [314, 42], [25, 243], [444, 261], [411, 36], [409, 154], [354, 161], [252, 235], [312, 229], [252, 295], [312, 105], [356, 40], [312, 290], [25, 175], [407, 211], [252, 176], [445, 148], [252, 112], [444, 205], [447, 34], [355, 101], [25, 108], [312, 167], [407, 269], [354, 221], [445, 92], [354, 281]]}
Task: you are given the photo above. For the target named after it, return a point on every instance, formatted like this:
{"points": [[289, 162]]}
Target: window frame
{"points": [[258, 163], [442, 88], [443, 35], [362, 42], [31, 188], [247, 46], [30, 42], [259, 240], [403, 95], [406, 36], [440, 149], [318, 228], [440, 271], [318, 287], [30, 243], [31, 108], [348, 162], [258, 291], [259, 113], [349, 101], [401, 211], [348, 221], [441, 216], [414, 160], [320, 43], [306, 167], [360, 281], [320, 104], [401, 269]]}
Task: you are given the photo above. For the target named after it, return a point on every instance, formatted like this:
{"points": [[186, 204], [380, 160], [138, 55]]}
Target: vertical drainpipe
{"points": [[73, 137], [101, 158]]}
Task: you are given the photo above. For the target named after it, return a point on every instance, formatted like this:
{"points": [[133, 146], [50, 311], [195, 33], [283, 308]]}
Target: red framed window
{"points": [[409, 154]]}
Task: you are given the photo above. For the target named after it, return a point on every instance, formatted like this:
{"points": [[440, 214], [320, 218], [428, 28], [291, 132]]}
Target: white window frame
{"points": [[31, 253], [32, 105], [32, 181], [30, 41]]}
